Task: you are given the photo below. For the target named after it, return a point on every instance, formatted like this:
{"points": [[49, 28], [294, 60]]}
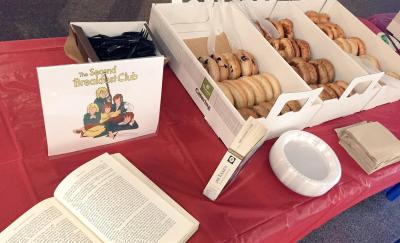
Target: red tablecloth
{"points": [[180, 159]]}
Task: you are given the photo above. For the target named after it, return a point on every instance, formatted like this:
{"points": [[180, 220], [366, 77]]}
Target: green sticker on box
{"points": [[206, 89]]}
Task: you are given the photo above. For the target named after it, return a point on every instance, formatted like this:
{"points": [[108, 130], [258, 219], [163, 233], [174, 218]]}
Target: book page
{"points": [[47, 221], [118, 206]]}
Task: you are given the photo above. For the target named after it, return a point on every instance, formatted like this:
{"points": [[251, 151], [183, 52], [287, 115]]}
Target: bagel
{"points": [[393, 75], [296, 48], [313, 15], [246, 64], [246, 113], [240, 100], [324, 18], [304, 72], [211, 66], [340, 31], [287, 46], [266, 85], [258, 90], [248, 91], [285, 109], [296, 60], [253, 62], [338, 90], [372, 60], [275, 43], [322, 72], [313, 73], [287, 25], [223, 66], [333, 29], [342, 84], [226, 92], [294, 105], [233, 65], [330, 91], [330, 69], [325, 28], [304, 49], [353, 46], [344, 44], [276, 86], [325, 95], [279, 28], [362, 49]]}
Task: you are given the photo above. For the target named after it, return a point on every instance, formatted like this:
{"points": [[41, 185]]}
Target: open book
{"points": [[104, 200]]}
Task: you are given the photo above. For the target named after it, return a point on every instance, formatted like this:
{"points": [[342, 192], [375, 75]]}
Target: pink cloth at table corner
{"points": [[370, 25], [256, 207], [381, 21]]}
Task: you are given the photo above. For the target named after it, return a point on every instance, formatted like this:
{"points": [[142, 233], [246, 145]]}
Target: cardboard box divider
{"points": [[388, 59], [180, 28]]}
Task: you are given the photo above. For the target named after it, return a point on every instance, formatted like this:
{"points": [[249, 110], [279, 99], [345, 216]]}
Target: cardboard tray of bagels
{"points": [[388, 60], [182, 31]]}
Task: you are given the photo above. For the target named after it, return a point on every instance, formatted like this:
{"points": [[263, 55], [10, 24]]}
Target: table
{"points": [[180, 159]]}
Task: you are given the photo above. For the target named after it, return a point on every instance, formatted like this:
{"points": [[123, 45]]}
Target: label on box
{"points": [[93, 104]]}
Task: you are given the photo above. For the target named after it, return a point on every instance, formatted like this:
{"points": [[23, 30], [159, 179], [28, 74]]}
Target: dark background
{"points": [[23, 19], [373, 220]]}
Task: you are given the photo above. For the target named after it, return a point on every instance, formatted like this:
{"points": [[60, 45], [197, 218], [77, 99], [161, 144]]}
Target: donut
{"points": [[223, 66], [248, 91], [296, 60], [353, 46], [333, 29], [263, 109], [211, 66], [283, 54], [294, 105], [239, 96], [276, 86], [287, 28], [325, 28], [372, 60], [304, 72], [279, 28], [313, 15], [287, 46], [344, 44], [362, 49], [296, 48], [266, 85], [314, 86], [393, 75], [226, 92], [258, 90], [233, 65], [338, 90], [322, 72], [246, 113], [329, 68], [304, 49], [330, 91], [313, 73]]}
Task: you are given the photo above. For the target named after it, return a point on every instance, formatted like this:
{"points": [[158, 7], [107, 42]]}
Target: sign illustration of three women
{"points": [[106, 116]]}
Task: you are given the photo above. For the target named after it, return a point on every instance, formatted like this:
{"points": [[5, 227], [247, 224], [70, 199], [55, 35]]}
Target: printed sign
{"points": [[87, 105]]}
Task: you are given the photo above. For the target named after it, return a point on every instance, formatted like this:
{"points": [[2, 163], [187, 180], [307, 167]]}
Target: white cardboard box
{"points": [[171, 24], [388, 59]]}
